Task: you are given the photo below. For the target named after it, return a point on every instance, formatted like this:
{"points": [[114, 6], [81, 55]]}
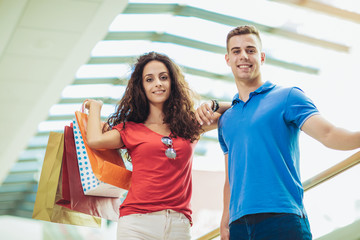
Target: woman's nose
{"points": [[158, 82]]}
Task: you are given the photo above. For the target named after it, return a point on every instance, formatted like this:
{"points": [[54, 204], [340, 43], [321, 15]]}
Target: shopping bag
{"points": [[102, 172], [49, 189], [65, 198], [104, 207]]}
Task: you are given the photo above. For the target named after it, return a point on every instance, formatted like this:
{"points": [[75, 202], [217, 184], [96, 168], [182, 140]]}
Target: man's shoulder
{"points": [[284, 90], [281, 88]]}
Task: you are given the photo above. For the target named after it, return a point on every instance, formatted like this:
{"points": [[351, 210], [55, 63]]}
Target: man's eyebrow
{"points": [[236, 48]]}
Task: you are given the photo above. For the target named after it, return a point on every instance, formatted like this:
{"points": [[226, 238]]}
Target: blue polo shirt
{"points": [[261, 137]]}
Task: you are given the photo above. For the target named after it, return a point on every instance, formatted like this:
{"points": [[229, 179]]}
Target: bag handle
{"points": [[83, 109]]}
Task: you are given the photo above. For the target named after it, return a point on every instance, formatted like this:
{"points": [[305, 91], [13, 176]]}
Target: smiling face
{"points": [[245, 58], [156, 82]]}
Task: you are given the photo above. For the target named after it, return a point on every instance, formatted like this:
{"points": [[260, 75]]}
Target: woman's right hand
{"points": [[98, 134], [98, 103], [92, 102]]}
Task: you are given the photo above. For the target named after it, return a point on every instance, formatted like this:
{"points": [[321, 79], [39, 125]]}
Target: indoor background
{"points": [[54, 54]]}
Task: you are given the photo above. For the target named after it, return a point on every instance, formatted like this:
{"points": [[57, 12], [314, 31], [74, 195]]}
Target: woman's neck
{"points": [[155, 122], [156, 115]]}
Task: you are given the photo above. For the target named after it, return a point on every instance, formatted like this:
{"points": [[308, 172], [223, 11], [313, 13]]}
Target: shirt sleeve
{"points": [[221, 138], [299, 107], [122, 132]]}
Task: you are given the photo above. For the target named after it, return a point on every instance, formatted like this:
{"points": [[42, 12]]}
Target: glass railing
{"points": [[309, 184]]}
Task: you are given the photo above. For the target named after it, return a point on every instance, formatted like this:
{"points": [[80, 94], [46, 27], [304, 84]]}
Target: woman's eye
{"points": [[164, 77], [148, 79]]}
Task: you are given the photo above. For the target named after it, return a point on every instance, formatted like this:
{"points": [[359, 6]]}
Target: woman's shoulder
{"points": [[124, 126], [129, 125], [132, 124]]}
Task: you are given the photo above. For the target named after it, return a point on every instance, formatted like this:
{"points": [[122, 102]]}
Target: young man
{"points": [[263, 194]]}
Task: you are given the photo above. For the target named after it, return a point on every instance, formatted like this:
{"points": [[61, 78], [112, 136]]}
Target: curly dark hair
{"points": [[178, 108]]}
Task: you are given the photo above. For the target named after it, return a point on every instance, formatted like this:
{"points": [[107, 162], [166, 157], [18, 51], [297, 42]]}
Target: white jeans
{"points": [[162, 225]]}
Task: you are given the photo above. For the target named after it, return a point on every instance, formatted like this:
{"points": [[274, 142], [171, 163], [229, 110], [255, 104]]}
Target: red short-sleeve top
{"points": [[157, 183]]}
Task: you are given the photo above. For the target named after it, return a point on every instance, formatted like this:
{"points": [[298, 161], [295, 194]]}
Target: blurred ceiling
{"points": [[55, 54]]}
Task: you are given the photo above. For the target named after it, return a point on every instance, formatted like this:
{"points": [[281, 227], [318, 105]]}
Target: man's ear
{"points": [[227, 59], [262, 57]]}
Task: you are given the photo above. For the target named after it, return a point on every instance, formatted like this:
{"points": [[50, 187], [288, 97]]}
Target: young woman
{"points": [[157, 124]]}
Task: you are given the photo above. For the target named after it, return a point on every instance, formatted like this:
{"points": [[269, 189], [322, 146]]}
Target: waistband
{"points": [[167, 212]]}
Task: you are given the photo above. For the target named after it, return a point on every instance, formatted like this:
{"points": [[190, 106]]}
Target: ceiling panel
{"points": [[70, 16]]}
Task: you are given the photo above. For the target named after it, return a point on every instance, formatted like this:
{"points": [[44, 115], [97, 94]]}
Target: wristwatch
{"points": [[215, 105]]}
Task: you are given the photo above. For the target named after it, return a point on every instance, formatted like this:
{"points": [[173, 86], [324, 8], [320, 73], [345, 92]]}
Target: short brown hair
{"points": [[241, 30]]}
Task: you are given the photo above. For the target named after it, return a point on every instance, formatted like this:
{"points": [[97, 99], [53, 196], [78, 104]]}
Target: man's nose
{"points": [[243, 54]]}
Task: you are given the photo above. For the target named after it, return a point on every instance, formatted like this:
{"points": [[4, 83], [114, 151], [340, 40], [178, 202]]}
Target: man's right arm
{"points": [[224, 224]]}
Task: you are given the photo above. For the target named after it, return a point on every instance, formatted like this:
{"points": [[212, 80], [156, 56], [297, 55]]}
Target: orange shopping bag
{"points": [[107, 166]]}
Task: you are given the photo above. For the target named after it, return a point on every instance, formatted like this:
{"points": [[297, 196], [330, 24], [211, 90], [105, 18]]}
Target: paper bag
{"points": [[104, 207], [49, 189]]}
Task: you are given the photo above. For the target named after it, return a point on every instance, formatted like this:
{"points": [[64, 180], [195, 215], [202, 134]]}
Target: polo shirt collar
{"points": [[267, 86]]}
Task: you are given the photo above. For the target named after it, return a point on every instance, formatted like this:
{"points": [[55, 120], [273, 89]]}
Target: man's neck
{"points": [[245, 87]]}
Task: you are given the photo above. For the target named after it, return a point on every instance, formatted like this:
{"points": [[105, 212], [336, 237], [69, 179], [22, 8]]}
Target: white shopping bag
{"points": [[92, 185]]}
